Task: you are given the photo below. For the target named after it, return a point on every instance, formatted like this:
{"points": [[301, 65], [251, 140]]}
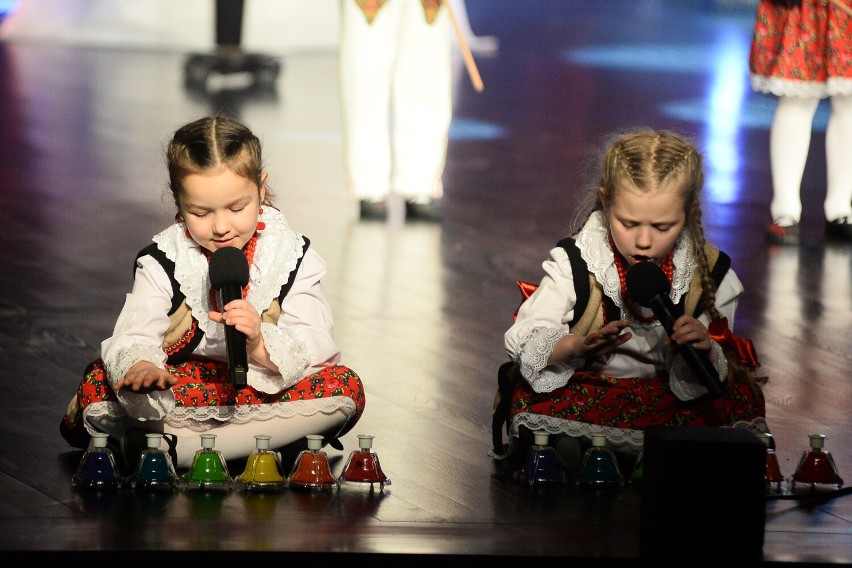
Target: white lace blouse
{"points": [[543, 319], [299, 344]]}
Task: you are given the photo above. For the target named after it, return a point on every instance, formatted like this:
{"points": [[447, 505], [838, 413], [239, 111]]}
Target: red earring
{"points": [[260, 224]]}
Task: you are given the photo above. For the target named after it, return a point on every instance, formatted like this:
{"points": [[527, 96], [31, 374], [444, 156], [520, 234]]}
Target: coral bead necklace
{"points": [[667, 267]]}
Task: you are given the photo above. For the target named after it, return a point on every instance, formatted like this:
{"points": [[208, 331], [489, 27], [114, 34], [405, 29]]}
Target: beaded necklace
{"points": [[667, 267]]}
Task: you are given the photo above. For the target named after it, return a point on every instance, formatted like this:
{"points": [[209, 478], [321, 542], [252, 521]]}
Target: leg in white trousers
{"points": [[395, 77]]}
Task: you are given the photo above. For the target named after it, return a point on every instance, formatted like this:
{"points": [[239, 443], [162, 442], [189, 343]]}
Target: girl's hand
{"points": [[604, 340], [243, 316], [687, 329], [145, 377]]}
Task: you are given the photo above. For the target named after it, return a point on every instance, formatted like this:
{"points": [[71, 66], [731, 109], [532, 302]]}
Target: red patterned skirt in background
{"points": [[802, 50]]}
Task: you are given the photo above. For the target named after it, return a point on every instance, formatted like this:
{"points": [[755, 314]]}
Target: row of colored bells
{"points": [[263, 471], [599, 467], [816, 466]]}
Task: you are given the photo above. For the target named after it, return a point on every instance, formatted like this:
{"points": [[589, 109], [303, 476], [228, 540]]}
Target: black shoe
{"points": [[373, 210], [130, 447], [784, 231], [840, 229], [290, 453], [569, 452], [171, 442], [429, 211], [517, 449]]}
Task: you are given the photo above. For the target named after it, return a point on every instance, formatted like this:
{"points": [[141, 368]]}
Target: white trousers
{"points": [[789, 141], [396, 91], [236, 441]]}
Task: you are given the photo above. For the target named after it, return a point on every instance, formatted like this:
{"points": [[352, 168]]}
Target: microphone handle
{"points": [[235, 341], [698, 361]]}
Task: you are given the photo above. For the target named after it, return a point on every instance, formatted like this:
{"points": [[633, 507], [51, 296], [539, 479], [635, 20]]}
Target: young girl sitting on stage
{"points": [[587, 358], [165, 368]]}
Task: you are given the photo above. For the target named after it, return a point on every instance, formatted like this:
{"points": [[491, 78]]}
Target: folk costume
{"points": [[396, 87], [165, 321], [643, 383], [802, 52]]}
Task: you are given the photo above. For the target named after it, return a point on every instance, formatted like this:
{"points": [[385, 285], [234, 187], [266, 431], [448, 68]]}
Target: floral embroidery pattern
{"points": [[635, 403], [372, 7], [806, 44], [206, 383]]}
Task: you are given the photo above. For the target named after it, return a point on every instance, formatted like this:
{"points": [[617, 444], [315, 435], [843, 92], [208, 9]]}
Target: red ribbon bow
{"points": [[526, 291], [720, 333]]}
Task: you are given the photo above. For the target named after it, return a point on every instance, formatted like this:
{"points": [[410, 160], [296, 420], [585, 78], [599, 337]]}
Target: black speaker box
{"points": [[703, 494]]}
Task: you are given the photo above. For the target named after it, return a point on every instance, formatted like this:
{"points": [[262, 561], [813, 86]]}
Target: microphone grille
{"points": [[646, 280], [228, 265]]}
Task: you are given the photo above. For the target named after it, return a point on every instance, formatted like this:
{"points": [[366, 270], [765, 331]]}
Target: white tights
{"points": [[236, 441], [789, 141]]}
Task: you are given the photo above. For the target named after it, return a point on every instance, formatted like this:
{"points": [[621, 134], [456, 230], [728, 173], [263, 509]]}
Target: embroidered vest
{"points": [[590, 294], [183, 335]]}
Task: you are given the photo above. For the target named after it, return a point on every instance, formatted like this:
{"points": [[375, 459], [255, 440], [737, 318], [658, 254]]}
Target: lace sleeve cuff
{"points": [[151, 406], [118, 365], [288, 353], [535, 351], [717, 357], [691, 389]]}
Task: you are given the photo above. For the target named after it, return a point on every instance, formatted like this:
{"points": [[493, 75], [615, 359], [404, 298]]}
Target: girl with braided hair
{"points": [[165, 368], [588, 359]]}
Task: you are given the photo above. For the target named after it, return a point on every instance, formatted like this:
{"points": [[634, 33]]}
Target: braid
{"points": [[213, 142], [737, 372], [699, 243], [649, 159]]}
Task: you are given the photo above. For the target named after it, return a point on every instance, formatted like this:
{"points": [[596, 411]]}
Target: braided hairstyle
{"points": [[649, 160], [210, 144]]}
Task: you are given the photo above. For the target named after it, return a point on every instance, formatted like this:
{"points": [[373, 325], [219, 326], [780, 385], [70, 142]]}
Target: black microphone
{"points": [[229, 273], [649, 287]]}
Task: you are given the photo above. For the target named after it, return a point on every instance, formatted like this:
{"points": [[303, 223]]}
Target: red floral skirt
{"points": [[806, 44], [637, 403], [206, 383]]}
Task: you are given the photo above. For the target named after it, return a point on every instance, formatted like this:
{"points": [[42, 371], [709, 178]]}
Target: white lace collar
{"points": [[275, 257], [593, 242]]}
